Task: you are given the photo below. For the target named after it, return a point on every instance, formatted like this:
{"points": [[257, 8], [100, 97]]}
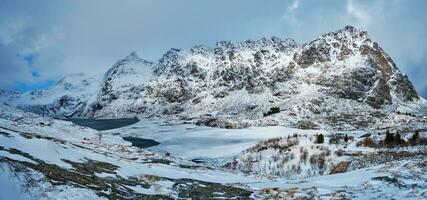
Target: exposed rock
{"points": [[340, 167], [306, 125]]}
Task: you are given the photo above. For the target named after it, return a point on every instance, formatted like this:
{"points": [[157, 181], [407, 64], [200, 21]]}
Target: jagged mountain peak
{"points": [[221, 46], [258, 44], [132, 58], [129, 65], [347, 38], [201, 61], [347, 31], [344, 45]]}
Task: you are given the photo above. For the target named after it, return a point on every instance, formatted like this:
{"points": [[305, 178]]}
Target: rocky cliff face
{"points": [[341, 80], [365, 72]]}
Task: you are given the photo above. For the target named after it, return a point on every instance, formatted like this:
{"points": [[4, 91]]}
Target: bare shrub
{"points": [[275, 158], [318, 161], [304, 155], [367, 142], [328, 152], [339, 152]]}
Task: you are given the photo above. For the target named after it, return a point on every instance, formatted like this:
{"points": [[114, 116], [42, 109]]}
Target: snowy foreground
{"points": [[42, 158]]}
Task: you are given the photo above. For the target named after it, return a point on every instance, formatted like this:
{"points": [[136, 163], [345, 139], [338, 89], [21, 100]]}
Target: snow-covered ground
{"points": [[37, 143], [404, 179], [43, 158]]}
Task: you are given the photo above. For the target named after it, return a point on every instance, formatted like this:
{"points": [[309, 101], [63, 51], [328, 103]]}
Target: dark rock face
{"points": [[316, 51], [378, 58], [356, 84], [281, 74], [390, 76], [345, 52], [374, 83], [174, 91], [379, 95], [243, 77], [404, 88]]}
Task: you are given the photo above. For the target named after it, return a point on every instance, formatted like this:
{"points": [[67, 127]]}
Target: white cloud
{"points": [[293, 6]]}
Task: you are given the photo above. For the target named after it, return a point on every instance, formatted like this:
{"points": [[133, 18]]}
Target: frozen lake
{"points": [[189, 141]]}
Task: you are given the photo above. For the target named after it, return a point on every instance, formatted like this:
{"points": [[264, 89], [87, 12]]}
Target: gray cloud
{"points": [[63, 37]]}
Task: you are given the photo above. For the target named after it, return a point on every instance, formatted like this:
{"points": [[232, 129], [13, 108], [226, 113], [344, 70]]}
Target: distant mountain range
{"points": [[340, 80]]}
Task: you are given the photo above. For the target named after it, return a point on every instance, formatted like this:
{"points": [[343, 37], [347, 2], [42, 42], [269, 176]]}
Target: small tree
{"points": [[415, 138], [388, 138], [320, 139], [346, 138]]}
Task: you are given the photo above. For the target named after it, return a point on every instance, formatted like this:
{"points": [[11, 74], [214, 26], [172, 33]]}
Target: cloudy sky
{"points": [[40, 41]]}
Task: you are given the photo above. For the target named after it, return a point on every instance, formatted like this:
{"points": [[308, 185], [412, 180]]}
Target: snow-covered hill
{"points": [[43, 158], [340, 80]]}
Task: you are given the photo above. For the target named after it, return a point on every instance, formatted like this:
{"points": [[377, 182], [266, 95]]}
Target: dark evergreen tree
{"points": [[346, 138], [389, 139], [397, 139], [320, 139], [415, 138]]}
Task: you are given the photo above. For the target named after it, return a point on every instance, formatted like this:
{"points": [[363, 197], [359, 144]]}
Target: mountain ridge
{"points": [[340, 80]]}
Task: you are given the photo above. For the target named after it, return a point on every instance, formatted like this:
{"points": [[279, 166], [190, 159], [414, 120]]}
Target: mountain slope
{"points": [[121, 89]]}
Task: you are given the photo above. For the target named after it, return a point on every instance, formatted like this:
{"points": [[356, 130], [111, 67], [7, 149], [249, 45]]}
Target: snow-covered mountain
{"points": [[67, 98], [340, 80], [121, 89]]}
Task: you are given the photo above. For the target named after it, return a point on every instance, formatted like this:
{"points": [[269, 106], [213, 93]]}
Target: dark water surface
{"points": [[107, 124], [104, 124], [141, 142]]}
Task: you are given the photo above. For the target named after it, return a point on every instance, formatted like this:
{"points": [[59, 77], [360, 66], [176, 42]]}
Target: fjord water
{"points": [[109, 124], [104, 124]]}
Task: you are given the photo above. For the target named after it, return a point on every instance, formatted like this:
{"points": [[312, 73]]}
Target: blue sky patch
{"points": [[25, 87]]}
